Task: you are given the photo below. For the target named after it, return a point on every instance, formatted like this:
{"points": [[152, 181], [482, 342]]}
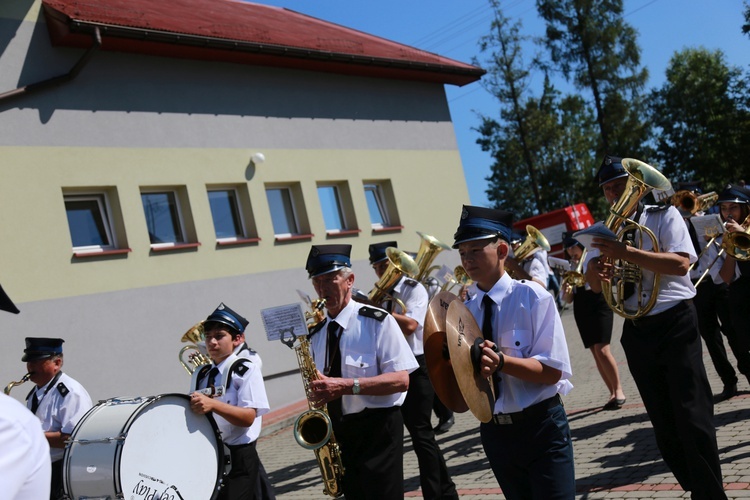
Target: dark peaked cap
{"points": [[610, 169], [226, 316], [734, 194], [479, 223], [324, 259], [41, 348], [377, 251]]}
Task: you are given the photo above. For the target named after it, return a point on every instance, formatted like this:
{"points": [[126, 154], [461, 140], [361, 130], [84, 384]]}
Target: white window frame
{"points": [[237, 209], [292, 207], [345, 226], [180, 220], [105, 211], [377, 190]]}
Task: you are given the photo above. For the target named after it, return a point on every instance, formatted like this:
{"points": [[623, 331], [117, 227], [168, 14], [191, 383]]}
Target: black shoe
{"points": [[730, 391], [443, 425]]}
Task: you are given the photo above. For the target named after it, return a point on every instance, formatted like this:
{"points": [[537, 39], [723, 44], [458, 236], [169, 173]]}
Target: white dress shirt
{"points": [[415, 298], [369, 347], [525, 324]]}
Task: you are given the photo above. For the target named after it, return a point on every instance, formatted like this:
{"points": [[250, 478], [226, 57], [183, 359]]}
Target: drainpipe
{"points": [[56, 80]]}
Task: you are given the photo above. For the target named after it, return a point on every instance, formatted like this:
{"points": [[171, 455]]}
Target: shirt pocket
{"points": [[360, 365], [516, 343]]}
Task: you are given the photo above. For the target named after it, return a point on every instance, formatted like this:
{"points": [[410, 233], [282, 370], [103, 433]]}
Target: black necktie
{"points": [[212, 377], [489, 309], [334, 366], [34, 403]]}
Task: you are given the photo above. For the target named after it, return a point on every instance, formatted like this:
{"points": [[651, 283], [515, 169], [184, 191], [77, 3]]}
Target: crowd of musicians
{"points": [[374, 380]]}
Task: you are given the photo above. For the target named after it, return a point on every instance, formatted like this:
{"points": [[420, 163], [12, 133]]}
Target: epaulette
{"points": [[239, 366], [62, 389], [410, 282], [316, 329], [656, 208], [373, 312]]}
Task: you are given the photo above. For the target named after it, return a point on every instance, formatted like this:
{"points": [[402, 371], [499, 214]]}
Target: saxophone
{"points": [[313, 429], [13, 384]]}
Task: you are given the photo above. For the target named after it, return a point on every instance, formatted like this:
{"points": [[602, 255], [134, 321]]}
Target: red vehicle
{"points": [[554, 224]]}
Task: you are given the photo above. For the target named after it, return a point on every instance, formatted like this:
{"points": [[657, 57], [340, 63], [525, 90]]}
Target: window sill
{"points": [[238, 241], [343, 232], [175, 247], [296, 237], [101, 253], [387, 229]]}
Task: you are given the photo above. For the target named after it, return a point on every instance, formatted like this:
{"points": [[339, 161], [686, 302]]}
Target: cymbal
{"points": [[462, 330], [439, 367]]}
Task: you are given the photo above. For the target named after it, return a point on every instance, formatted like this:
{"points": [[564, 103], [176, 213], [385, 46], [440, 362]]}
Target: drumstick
{"points": [[212, 392]]}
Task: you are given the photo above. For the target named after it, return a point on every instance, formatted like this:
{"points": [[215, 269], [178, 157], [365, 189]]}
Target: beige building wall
{"points": [[130, 122]]}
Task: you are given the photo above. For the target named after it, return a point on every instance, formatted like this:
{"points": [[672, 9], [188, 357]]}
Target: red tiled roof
{"points": [[243, 32]]}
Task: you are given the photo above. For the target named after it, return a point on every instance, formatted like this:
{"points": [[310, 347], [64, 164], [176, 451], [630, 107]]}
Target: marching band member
{"points": [[534, 267], [528, 441], [663, 348], [734, 204], [711, 304], [237, 409], [417, 407], [594, 321], [58, 400], [25, 467], [366, 364]]}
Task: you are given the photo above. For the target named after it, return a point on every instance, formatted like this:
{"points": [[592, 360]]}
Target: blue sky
{"points": [[452, 28]]}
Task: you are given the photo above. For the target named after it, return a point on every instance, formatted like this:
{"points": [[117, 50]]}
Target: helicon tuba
{"points": [[313, 429], [642, 178], [428, 250], [533, 242], [10, 386], [191, 356], [399, 264]]}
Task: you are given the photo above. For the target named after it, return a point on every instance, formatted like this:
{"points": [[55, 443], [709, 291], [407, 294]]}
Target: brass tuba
{"points": [[642, 178], [191, 356], [689, 203], [428, 250], [460, 277], [533, 242], [10, 386], [399, 263], [313, 429]]}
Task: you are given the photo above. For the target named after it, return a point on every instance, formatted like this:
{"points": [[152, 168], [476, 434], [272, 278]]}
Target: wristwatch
{"points": [[355, 387]]}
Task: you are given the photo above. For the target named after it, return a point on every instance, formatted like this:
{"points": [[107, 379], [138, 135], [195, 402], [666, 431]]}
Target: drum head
{"points": [[461, 331], [171, 451], [439, 366]]}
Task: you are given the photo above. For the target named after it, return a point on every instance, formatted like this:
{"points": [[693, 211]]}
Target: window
{"points": [[225, 210], [163, 217], [381, 205], [338, 209], [288, 212], [89, 222]]}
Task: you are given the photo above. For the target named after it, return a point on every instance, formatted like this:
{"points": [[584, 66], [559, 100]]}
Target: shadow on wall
{"points": [[115, 81]]}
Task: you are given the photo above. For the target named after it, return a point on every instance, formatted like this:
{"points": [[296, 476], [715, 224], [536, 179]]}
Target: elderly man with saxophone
{"points": [[434, 478], [365, 363], [660, 339], [24, 460]]}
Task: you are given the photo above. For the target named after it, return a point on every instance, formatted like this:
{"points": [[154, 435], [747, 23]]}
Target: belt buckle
{"points": [[502, 419]]}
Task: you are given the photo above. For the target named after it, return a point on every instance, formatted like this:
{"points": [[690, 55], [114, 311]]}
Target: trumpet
{"points": [[399, 263], [689, 203], [575, 277], [10, 386], [191, 356], [735, 244]]}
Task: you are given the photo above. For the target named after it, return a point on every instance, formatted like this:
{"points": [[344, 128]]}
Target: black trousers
{"points": [[739, 291], [709, 301], [242, 481], [664, 354], [372, 450], [417, 412], [56, 489]]}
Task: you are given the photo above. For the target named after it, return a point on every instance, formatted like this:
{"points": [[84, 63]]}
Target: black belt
{"points": [[235, 447], [533, 412], [677, 310]]}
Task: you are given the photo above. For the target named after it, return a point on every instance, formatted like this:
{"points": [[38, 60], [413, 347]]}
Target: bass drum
{"points": [[144, 448]]}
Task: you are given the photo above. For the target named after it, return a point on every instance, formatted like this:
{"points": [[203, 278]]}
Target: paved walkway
{"points": [[615, 451]]}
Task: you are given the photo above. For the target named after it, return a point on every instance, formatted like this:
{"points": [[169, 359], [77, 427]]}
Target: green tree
{"points": [[591, 45], [746, 13], [703, 115], [540, 146]]}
